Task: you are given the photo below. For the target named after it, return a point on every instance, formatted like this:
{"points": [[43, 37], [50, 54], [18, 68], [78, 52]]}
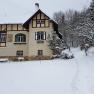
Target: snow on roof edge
{"points": [[22, 21]]}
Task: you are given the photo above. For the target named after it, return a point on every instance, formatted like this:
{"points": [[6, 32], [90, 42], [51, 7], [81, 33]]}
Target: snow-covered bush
{"points": [[67, 55], [90, 51], [56, 56]]}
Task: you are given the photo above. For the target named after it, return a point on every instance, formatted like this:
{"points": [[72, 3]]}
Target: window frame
{"points": [[19, 53], [40, 35], [40, 23], [40, 53], [3, 39], [20, 38]]}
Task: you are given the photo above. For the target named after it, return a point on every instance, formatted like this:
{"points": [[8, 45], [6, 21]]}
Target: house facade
{"points": [[28, 40]]}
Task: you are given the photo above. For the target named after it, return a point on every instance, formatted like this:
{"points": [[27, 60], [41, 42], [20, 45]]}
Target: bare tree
{"points": [[58, 17], [77, 28]]}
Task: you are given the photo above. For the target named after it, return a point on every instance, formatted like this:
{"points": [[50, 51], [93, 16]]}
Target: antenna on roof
{"points": [[37, 6]]}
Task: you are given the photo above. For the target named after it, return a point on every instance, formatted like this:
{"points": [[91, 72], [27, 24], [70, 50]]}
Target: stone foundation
{"points": [[26, 58], [39, 58]]}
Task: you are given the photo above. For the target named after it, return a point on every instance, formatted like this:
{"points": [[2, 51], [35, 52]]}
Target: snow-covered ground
{"points": [[74, 76]]}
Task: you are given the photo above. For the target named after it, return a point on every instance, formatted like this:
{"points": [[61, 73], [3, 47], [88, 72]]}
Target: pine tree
{"points": [[55, 44]]}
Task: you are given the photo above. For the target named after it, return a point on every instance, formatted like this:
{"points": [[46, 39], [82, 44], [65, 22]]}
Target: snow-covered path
{"points": [[85, 77], [59, 76], [83, 82]]}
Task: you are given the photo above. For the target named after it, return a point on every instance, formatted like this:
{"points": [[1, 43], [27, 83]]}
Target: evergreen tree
{"points": [[90, 11], [55, 44]]}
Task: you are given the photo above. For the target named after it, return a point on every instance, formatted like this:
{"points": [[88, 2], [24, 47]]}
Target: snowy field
{"points": [[58, 76]]}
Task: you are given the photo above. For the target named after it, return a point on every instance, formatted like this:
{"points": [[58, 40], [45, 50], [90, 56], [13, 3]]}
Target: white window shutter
{"points": [[44, 35]]}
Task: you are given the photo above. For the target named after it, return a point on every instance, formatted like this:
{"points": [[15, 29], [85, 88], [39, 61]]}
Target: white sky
{"points": [[11, 8]]}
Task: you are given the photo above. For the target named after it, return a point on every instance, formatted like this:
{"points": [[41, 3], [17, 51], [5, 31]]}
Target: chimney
{"points": [[37, 6]]}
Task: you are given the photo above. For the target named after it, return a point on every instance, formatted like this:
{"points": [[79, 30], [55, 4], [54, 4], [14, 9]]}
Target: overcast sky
{"points": [[24, 7], [53, 5]]}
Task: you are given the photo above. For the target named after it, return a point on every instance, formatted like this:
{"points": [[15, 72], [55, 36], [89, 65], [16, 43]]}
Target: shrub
{"points": [[67, 55]]}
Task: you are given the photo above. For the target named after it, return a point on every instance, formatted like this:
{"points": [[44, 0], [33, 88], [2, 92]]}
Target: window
{"points": [[40, 23], [40, 35], [19, 53], [40, 52], [2, 39], [20, 38]]}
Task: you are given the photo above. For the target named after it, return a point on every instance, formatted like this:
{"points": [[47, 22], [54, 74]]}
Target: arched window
{"points": [[20, 37]]}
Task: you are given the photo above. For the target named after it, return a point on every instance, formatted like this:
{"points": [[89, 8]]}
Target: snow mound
{"points": [[91, 51], [66, 54]]}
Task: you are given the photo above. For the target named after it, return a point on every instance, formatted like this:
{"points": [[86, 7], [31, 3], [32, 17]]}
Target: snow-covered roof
{"points": [[13, 19], [12, 16]]}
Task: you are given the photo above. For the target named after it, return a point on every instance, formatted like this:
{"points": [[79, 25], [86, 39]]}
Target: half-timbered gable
{"points": [[39, 20]]}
